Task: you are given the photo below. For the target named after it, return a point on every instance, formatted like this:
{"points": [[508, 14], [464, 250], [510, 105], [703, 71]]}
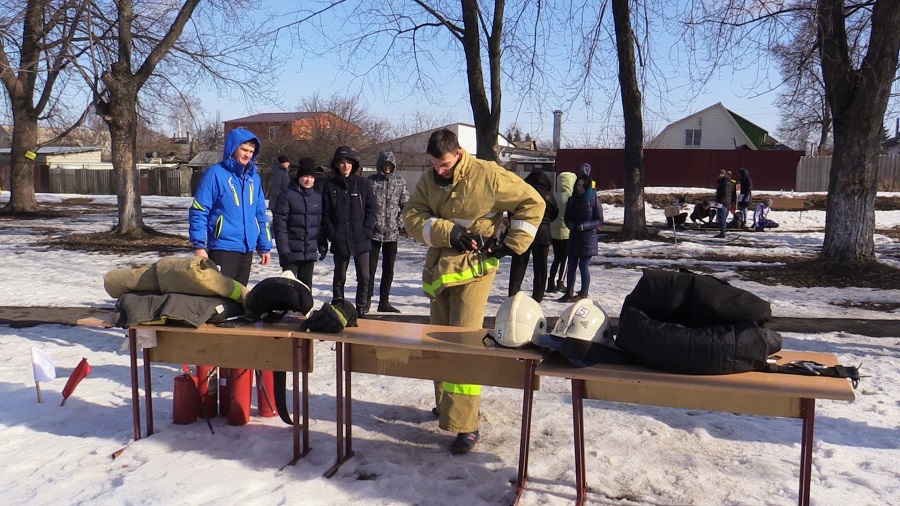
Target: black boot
{"points": [[551, 286], [583, 295], [385, 307], [567, 297]]}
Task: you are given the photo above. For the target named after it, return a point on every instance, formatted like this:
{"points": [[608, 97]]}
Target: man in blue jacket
{"points": [[228, 218]]}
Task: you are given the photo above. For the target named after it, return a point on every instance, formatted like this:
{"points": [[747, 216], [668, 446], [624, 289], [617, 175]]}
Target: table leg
{"points": [[525, 437], [339, 408], [299, 364], [578, 425], [148, 392], [307, 353], [135, 387], [348, 403], [808, 415]]}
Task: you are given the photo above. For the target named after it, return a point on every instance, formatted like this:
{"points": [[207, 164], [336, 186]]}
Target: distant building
{"points": [[410, 150], [714, 128], [295, 126]]}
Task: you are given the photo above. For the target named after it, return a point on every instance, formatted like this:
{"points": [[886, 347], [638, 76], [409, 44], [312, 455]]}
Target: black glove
{"points": [[461, 239], [323, 250], [496, 248]]}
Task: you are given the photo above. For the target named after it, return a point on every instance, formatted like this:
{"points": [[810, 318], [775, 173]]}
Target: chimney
{"points": [[557, 128]]}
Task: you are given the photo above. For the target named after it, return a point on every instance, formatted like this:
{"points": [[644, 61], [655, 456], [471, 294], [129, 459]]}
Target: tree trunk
{"points": [[485, 113], [857, 99], [122, 121], [635, 224], [21, 185]]}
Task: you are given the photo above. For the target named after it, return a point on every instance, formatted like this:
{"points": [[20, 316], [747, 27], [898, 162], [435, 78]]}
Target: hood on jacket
{"points": [[589, 193], [236, 137], [347, 153], [539, 181], [743, 173], [386, 156], [565, 182]]}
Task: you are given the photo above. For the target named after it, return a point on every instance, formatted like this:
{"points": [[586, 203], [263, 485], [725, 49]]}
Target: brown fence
{"points": [[770, 170], [173, 182]]}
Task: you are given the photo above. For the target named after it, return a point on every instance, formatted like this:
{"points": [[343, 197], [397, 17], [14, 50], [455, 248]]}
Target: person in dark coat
{"points": [[297, 220], [540, 247], [279, 179], [321, 177], [746, 196], [583, 217], [724, 190], [348, 217]]}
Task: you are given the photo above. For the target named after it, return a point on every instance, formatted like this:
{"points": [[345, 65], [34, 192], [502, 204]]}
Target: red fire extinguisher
{"points": [[208, 384], [265, 394], [241, 389], [224, 392], [185, 401]]}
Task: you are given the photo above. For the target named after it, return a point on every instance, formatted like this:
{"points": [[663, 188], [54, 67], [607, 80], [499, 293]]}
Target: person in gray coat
{"points": [[390, 197]]}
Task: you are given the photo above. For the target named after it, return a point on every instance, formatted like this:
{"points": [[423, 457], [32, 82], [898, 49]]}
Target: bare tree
{"points": [[859, 68], [635, 223], [421, 43], [858, 92], [130, 49], [30, 67]]}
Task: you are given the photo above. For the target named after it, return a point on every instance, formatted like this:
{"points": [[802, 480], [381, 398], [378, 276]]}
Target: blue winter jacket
{"points": [[229, 208]]}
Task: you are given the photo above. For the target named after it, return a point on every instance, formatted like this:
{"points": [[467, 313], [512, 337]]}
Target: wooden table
{"points": [[754, 393], [431, 352], [256, 345]]}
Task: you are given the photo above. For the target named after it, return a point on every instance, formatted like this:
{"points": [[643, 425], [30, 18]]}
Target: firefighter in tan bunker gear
{"points": [[456, 210]]}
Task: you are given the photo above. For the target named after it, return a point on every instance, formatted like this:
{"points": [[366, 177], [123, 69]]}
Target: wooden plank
{"points": [[749, 392], [224, 350], [438, 365], [788, 202]]}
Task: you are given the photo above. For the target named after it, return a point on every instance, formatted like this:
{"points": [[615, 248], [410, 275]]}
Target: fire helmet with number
{"points": [[519, 320], [585, 328]]}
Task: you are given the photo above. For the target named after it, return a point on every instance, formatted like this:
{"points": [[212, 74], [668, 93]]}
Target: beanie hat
{"points": [[282, 159], [307, 167], [347, 153]]}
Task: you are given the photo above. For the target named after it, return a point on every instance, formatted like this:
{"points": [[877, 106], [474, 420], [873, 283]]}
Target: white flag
{"points": [[41, 365]]}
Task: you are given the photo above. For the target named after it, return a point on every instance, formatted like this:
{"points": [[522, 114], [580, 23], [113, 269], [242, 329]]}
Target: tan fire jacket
{"points": [[481, 192]]}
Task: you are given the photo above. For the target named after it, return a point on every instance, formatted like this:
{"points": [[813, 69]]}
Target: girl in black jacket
{"points": [[540, 247]]}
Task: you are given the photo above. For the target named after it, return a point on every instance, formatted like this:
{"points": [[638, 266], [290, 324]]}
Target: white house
{"points": [[714, 128], [410, 150]]}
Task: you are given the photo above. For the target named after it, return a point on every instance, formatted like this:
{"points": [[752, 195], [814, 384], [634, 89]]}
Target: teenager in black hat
{"points": [[349, 221], [297, 221]]}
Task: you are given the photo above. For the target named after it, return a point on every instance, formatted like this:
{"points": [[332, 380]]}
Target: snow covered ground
{"points": [[636, 454]]}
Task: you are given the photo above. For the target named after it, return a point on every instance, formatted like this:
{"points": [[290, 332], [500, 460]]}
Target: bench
{"points": [[789, 203], [432, 352], [257, 345], [753, 393]]}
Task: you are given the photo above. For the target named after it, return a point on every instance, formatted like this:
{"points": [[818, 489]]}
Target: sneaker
{"points": [[560, 287], [719, 236], [583, 295], [464, 442]]}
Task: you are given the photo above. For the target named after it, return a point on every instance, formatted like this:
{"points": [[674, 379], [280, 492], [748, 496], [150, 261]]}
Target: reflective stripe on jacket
{"points": [[479, 195]]}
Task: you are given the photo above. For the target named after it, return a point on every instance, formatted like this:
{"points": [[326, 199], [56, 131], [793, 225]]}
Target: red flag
{"points": [[83, 369]]}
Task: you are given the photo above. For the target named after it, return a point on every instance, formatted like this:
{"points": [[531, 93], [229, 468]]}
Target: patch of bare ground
{"points": [[806, 273], [146, 241]]}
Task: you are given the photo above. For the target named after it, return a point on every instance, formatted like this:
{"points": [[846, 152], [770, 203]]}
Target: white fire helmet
{"points": [[519, 320], [585, 321]]}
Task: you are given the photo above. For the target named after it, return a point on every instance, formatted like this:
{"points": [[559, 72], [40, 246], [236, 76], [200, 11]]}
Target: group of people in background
{"points": [[732, 197], [348, 214]]}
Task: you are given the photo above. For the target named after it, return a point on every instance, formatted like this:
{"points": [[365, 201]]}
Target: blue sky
{"points": [[306, 73]]}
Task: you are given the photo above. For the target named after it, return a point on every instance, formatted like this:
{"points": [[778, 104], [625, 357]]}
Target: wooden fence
{"points": [[172, 182], [813, 173]]}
